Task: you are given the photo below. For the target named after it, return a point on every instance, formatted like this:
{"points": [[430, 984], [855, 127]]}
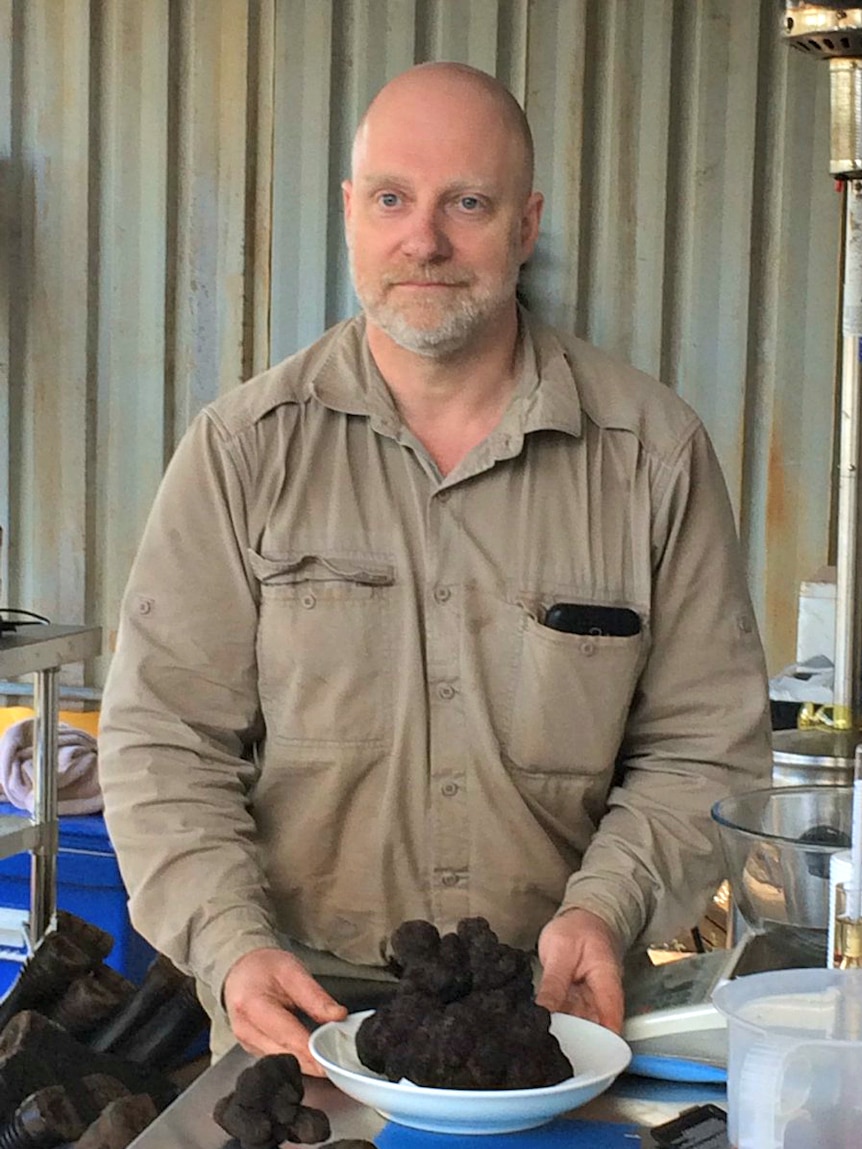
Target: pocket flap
{"points": [[306, 566]]}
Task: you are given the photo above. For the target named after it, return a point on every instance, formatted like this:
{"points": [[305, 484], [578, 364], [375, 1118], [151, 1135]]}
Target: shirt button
{"points": [[308, 601], [745, 624], [445, 691], [443, 497], [442, 594], [588, 648], [449, 789], [145, 605], [449, 880]]}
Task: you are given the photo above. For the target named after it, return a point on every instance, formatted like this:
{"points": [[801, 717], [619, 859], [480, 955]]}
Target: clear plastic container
{"points": [[778, 843], [794, 1059]]}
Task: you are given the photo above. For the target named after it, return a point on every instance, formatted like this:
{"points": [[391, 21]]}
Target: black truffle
{"points": [[463, 1015], [265, 1107]]}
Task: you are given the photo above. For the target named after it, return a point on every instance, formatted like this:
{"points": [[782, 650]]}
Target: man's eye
{"points": [[470, 202], [388, 199]]}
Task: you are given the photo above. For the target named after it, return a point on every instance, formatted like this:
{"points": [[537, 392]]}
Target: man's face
{"points": [[439, 218]]}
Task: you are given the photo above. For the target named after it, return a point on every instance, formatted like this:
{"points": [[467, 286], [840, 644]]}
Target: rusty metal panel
{"points": [[301, 149], [130, 270], [50, 438], [7, 223], [257, 332], [789, 415], [172, 169], [207, 202], [693, 230]]}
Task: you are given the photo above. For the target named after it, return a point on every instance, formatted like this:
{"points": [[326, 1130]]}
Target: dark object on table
{"points": [[161, 982], [817, 864], [350, 1143], [55, 1115], [62, 956], [160, 1039], [265, 1107], [35, 1053], [463, 1016], [702, 1125], [784, 714], [90, 1000], [119, 1123]]}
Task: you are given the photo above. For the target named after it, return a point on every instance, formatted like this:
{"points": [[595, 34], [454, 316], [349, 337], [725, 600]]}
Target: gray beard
{"points": [[439, 342], [455, 330]]}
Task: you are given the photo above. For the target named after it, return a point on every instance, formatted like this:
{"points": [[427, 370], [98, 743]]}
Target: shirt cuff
{"points": [[218, 947], [619, 903]]}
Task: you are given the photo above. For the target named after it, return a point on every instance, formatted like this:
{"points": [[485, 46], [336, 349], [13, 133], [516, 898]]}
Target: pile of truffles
{"points": [[265, 1108], [463, 1015]]}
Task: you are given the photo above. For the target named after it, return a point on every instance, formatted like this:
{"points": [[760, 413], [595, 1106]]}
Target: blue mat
{"points": [[559, 1134]]}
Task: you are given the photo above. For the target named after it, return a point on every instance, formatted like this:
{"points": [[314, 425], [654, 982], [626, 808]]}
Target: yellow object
{"points": [[848, 932], [83, 720], [818, 714]]}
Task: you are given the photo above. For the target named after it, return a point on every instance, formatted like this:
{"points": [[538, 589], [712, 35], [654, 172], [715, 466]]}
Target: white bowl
{"points": [[597, 1056]]}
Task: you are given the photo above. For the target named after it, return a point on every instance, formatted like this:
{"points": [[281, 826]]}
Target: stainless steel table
{"points": [[188, 1123], [42, 650]]}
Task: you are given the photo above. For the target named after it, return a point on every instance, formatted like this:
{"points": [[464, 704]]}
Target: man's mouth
{"points": [[422, 281]]}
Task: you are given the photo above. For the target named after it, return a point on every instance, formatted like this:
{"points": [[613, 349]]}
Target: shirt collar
{"points": [[548, 394], [545, 398], [349, 380]]}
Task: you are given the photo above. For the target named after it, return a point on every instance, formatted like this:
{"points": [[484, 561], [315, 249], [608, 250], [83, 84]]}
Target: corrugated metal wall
{"points": [[170, 202]]}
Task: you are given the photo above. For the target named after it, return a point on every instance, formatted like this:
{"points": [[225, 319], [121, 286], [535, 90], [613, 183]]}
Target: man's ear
{"points": [[530, 221], [346, 194]]}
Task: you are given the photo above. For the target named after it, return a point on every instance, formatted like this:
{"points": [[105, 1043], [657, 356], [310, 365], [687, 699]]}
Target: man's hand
{"points": [[260, 993], [582, 969]]}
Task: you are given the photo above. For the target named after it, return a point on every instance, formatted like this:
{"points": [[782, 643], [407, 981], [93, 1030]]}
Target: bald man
{"points": [[442, 616]]}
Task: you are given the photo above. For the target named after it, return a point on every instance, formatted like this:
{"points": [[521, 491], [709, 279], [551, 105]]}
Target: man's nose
{"points": [[426, 237]]}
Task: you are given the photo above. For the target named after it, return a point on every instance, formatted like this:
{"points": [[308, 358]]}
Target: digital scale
{"points": [[674, 1030]]}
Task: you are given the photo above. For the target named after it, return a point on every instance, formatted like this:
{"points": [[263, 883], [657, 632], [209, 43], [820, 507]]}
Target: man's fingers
{"points": [[269, 1027], [608, 995], [310, 996], [598, 996], [261, 993], [553, 991]]}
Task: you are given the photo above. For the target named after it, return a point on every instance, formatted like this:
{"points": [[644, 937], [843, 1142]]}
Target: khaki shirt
{"points": [[334, 705]]}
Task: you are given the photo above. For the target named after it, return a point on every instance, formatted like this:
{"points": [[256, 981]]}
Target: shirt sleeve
{"points": [[699, 725], [181, 718]]}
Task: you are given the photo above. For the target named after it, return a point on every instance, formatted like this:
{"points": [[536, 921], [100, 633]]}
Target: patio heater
{"points": [[825, 753]]}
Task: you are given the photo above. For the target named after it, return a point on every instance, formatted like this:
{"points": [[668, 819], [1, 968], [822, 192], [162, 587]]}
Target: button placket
{"points": [[448, 812]]}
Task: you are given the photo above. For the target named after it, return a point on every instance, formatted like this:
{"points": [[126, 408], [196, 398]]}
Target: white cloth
{"points": [[809, 681], [77, 768]]}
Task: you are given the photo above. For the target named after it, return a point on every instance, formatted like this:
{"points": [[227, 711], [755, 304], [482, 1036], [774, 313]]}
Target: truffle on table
{"points": [[265, 1107]]}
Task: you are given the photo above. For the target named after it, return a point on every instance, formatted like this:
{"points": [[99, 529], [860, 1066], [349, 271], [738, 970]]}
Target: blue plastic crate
{"points": [[88, 885]]}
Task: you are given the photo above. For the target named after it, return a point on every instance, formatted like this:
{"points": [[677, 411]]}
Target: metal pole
{"points": [[43, 860]]}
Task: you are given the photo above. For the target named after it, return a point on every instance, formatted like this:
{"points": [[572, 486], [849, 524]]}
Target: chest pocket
{"points": [[324, 647], [571, 699]]}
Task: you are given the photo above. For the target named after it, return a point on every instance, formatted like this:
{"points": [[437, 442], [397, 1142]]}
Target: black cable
{"points": [[697, 938], [32, 619]]}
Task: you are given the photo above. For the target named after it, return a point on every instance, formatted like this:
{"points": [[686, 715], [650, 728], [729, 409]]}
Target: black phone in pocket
{"points": [[587, 618]]}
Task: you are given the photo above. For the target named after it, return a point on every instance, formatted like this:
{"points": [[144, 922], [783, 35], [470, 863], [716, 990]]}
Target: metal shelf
{"points": [[35, 648], [41, 650], [17, 834]]}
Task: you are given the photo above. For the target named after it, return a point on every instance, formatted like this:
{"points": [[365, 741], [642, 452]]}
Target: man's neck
{"points": [[451, 404]]}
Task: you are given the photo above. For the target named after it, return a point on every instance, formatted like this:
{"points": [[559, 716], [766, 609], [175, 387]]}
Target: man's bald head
{"points": [[451, 80], [439, 212]]}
